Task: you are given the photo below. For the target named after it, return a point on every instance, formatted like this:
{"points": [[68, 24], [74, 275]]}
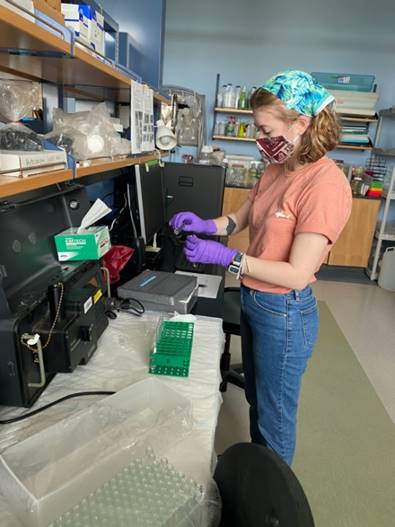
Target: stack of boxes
{"points": [[87, 24]]}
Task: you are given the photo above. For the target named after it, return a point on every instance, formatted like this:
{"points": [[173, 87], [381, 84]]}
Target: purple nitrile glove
{"points": [[208, 251], [189, 222]]}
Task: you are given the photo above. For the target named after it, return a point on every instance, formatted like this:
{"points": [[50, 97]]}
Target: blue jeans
{"points": [[278, 333]]}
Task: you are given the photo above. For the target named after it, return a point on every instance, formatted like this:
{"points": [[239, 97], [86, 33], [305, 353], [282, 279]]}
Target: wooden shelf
{"points": [[250, 139], [230, 138], [9, 186], [357, 118], [161, 98], [355, 147], [344, 117], [232, 110], [49, 58], [16, 32], [106, 166]]}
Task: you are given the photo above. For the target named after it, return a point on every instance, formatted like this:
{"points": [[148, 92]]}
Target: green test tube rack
{"points": [[172, 352]]}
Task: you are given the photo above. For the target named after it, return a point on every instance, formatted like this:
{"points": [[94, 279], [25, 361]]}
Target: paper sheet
{"points": [[98, 210], [136, 116], [147, 141], [208, 283]]}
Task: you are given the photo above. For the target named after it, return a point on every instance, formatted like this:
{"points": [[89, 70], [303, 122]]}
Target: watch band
{"points": [[236, 265]]}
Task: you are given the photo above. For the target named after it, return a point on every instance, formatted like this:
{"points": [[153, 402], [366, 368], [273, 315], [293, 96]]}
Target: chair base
{"points": [[234, 375]]}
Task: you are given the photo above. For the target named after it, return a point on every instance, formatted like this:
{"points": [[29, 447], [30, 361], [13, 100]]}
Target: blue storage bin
{"points": [[345, 81]]}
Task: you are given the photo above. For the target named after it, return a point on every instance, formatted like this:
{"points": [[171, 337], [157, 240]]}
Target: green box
{"points": [[90, 244]]}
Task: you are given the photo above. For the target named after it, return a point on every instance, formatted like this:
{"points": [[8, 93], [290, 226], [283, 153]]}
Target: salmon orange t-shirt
{"points": [[314, 198]]}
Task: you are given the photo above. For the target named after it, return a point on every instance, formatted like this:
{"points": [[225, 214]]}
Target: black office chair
{"points": [[258, 489], [231, 326]]}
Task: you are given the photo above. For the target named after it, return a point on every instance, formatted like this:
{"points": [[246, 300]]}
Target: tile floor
{"points": [[366, 316]]}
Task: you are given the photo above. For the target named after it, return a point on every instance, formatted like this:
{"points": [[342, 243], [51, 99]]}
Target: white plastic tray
{"points": [[48, 473]]}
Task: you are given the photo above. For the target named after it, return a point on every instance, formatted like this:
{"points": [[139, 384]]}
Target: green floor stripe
{"points": [[345, 455]]}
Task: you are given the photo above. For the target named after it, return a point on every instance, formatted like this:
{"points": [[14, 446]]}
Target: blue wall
{"points": [[144, 21], [248, 41]]}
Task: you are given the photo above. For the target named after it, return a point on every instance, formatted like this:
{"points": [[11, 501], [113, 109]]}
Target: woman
{"points": [[295, 213]]}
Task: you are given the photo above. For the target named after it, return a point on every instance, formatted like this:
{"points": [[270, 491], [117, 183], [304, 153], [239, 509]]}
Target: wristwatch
{"points": [[236, 264]]}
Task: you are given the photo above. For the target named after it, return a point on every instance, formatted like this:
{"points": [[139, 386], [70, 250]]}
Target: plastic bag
{"points": [[62, 139], [116, 259], [19, 137], [89, 134], [17, 99]]}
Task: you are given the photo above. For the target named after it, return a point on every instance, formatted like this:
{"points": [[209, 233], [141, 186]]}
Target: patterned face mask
{"points": [[275, 150]]}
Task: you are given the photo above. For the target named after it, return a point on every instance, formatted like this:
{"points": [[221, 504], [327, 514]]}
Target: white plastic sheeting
{"points": [[121, 360]]}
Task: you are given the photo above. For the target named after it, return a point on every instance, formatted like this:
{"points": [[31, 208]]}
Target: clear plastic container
{"points": [[205, 155], [50, 472]]}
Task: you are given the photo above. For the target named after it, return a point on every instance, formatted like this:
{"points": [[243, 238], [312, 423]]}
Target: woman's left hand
{"points": [[208, 251]]}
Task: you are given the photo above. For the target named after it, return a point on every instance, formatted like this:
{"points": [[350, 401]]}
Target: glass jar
{"points": [[356, 185]]}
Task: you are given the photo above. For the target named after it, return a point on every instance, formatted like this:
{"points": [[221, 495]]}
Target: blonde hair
{"points": [[321, 136]]}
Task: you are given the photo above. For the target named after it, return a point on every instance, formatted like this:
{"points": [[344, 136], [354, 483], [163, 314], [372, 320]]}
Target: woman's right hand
{"points": [[189, 222]]}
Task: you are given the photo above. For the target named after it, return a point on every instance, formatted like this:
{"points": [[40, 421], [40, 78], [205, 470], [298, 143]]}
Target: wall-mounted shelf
{"points": [[344, 117], [230, 138], [161, 98], [251, 139], [9, 186], [355, 147], [232, 110], [50, 58], [16, 32], [357, 118], [100, 166]]}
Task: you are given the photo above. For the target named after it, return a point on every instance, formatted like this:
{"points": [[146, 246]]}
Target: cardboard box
{"points": [[87, 23], [55, 4], [90, 244], [98, 33], [47, 9], [75, 18]]}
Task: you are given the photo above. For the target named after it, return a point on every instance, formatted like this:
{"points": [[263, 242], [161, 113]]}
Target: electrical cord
{"points": [[55, 320], [127, 305], [133, 306], [46, 406]]}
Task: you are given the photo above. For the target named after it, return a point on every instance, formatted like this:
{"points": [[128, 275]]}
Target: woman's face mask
{"points": [[273, 140], [275, 150]]}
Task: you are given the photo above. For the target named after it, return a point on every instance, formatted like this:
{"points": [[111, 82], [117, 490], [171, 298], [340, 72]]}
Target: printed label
{"points": [[88, 304], [97, 296]]}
